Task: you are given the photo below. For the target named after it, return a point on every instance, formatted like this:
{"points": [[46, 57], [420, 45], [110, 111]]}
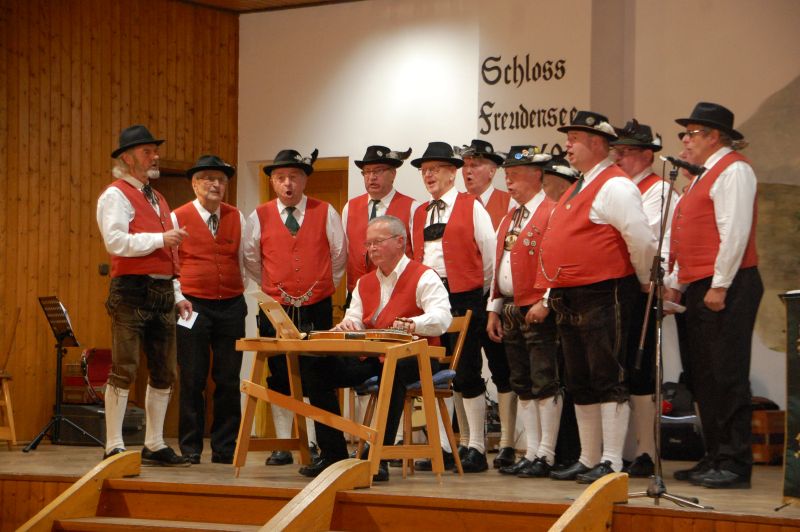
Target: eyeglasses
{"points": [[374, 243], [622, 151], [376, 172], [691, 133], [432, 169], [222, 180]]}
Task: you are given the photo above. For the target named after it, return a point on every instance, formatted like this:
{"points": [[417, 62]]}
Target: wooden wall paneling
{"points": [[4, 202]]}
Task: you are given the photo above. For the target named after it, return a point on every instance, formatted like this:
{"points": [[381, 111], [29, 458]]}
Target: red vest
{"points": [[576, 251], [645, 184], [357, 233], [162, 261], [695, 236], [524, 257], [209, 265], [296, 264], [462, 258], [497, 206], [402, 302]]}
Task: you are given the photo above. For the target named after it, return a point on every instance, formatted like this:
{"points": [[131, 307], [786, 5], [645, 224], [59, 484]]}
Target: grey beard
{"points": [[153, 173]]}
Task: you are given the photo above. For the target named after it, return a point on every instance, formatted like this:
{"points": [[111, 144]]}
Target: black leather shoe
{"points": [[220, 458], [506, 456], [600, 470], [313, 450], [515, 468], [724, 479], [193, 458], [569, 473], [383, 472], [462, 451], [113, 452], [165, 457], [364, 452], [317, 467], [280, 458], [539, 468], [703, 466], [641, 467], [475, 462], [426, 465]]}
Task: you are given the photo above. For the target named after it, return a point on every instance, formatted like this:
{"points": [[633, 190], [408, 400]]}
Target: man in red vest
{"points": [[138, 233], [295, 250], [399, 294], [210, 287], [595, 256], [715, 265], [379, 169], [480, 165], [634, 151], [531, 345], [453, 235]]}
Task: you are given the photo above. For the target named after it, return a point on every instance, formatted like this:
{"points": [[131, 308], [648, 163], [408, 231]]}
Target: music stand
{"points": [[59, 322]]}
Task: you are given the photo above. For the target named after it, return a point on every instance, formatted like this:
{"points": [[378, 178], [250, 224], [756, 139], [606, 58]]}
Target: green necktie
{"points": [[291, 221], [577, 187]]}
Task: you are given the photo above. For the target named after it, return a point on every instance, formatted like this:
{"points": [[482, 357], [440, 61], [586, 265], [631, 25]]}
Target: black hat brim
{"points": [[122, 149], [635, 144], [227, 170], [735, 135], [588, 129], [307, 168], [394, 163], [458, 163]]}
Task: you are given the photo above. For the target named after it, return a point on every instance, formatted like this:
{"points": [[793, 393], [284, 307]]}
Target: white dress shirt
{"points": [[486, 194], [431, 297], [503, 276], [114, 215], [484, 237], [733, 194], [205, 215], [654, 200], [333, 230], [619, 204]]}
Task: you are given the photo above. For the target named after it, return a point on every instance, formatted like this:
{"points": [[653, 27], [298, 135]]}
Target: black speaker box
{"points": [[681, 438], [92, 419]]}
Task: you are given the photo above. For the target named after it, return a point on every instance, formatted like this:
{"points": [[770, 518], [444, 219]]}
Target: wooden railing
{"points": [[593, 510]]}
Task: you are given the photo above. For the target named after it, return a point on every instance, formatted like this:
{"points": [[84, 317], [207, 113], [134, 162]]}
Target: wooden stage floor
{"points": [[54, 461]]}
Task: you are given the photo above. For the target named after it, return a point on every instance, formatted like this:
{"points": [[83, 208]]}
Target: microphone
{"points": [[689, 167]]}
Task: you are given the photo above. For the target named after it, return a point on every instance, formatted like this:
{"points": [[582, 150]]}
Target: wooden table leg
{"points": [[296, 387], [246, 425], [382, 409], [429, 404]]}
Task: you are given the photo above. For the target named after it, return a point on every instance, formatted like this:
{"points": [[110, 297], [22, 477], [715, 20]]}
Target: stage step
{"points": [[102, 524]]}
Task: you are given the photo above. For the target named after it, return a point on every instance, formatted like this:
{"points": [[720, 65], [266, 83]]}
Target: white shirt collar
{"points": [[386, 200], [395, 274], [533, 203], [716, 156], [204, 214], [595, 171], [486, 195], [449, 197], [300, 208], [638, 178], [133, 181]]}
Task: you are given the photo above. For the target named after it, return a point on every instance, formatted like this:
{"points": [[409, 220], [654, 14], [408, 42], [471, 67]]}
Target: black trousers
{"points": [[316, 317], [641, 381], [219, 324], [593, 322], [468, 379], [323, 375], [719, 349], [496, 357]]}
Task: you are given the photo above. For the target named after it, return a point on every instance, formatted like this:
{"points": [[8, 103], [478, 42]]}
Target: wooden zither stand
{"points": [[293, 343]]}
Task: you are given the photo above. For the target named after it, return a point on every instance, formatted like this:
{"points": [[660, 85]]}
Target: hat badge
{"points": [[589, 120], [379, 152], [298, 157], [488, 149]]}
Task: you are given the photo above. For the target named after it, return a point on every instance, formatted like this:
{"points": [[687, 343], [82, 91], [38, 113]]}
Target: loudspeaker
{"points": [[681, 438]]}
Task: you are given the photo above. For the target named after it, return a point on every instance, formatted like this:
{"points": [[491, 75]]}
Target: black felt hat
{"points": [[481, 148], [292, 159], [558, 166], [134, 136], [439, 151], [637, 135], [591, 122], [383, 155], [714, 116], [211, 162], [525, 156]]}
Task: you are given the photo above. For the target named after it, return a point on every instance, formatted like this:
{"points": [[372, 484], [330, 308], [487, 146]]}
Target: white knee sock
{"points": [[461, 415], [615, 427], [550, 421], [116, 401], [156, 402], [448, 403], [507, 407], [282, 419], [529, 415], [476, 417], [590, 432], [399, 436], [643, 413], [311, 432]]}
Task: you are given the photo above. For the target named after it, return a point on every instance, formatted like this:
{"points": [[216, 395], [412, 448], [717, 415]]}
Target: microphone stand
{"points": [[657, 489]]}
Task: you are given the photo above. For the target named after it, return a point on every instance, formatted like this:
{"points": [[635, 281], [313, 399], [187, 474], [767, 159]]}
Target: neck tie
{"points": [[374, 212], [577, 188], [518, 218], [213, 224], [147, 190], [291, 221], [435, 206]]}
